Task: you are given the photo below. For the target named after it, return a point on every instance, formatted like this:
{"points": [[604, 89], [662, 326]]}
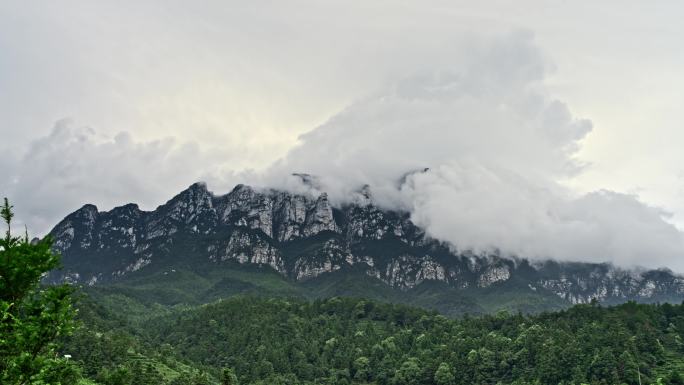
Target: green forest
{"points": [[107, 336], [355, 341]]}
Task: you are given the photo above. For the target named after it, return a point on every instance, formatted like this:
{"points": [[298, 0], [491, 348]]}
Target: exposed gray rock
{"points": [[493, 274], [304, 236]]}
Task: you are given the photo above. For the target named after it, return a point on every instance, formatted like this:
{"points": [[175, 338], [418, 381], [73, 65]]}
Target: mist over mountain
{"points": [[316, 248], [498, 147], [499, 150]]}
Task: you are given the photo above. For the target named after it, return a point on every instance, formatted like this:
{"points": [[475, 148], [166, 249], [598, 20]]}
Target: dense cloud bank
{"points": [[497, 147], [476, 151]]}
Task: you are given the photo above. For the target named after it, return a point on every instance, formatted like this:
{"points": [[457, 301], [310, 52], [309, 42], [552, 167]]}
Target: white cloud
{"points": [[74, 165], [230, 85], [497, 146]]}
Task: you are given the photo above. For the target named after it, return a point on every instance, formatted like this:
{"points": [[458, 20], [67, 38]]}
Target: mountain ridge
{"points": [[305, 237]]}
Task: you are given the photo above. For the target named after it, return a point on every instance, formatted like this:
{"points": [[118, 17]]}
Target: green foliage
{"points": [[357, 341], [444, 375], [228, 377], [31, 317], [408, 373]]}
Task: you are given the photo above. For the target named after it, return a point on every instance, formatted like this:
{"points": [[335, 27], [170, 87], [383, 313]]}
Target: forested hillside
{"points": [[356, 341]]}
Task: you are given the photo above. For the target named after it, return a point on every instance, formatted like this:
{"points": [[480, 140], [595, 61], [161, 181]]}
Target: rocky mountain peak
{"points": [[88, 211], [305, 237], [127, 209], [196, 192]]}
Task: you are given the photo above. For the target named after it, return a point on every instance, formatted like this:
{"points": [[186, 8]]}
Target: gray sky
{"points": [[112, 102]]}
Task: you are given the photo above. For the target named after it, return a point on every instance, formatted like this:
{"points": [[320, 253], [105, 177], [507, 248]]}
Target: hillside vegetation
{"points": [[357, 341]]}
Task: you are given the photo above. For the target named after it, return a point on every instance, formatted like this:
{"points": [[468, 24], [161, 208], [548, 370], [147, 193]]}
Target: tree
{"points": [[228, 377], [362, 369], [200, 378], [31, 317], [628, 368], [603, 367], [408, 373], [444, 375], [676, 378], [120, 375], [145, 374], [184, 378]]}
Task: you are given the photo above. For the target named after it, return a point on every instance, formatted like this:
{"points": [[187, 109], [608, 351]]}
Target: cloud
{"points": [[74, 165], [498, 148], [484, 209]]}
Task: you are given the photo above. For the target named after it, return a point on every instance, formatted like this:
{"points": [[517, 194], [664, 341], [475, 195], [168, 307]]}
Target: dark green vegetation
{"points": [[195, 285], [31, 318], [242, 324], [355, 341]]}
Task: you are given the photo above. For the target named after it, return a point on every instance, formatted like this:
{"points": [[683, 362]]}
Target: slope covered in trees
{"points": [[356, 341]]}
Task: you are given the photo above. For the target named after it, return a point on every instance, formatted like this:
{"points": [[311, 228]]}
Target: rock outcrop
{"points": [[304, 236]]}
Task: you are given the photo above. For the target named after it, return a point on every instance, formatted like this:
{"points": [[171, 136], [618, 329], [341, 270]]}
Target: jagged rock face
{"points": [[65, 232], [303, 237], [289, 216], [605, 282], [494, 274]]}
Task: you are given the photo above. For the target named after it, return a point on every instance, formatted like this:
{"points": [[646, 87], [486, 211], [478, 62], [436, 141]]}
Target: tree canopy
{"points": [[32, 317]]}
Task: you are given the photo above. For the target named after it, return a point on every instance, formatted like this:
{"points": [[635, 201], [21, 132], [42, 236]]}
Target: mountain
{"points": [[291, 244]]}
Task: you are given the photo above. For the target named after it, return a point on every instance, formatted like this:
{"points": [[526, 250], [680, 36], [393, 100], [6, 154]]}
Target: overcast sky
{"points": [[552, 128]]}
